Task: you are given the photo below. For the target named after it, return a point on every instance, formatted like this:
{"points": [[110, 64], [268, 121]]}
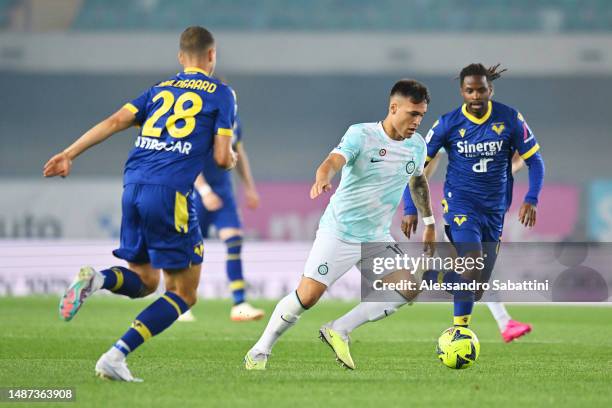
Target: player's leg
{"points": [[465, 234], [228, 224], [137, 280], [205, 219], [328, 260], [241, 310], [175, 245], [510, 329], [365, 312], [180, 296]]}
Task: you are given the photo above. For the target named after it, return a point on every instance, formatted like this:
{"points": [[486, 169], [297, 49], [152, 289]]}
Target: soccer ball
{"points": [[458, 347]]}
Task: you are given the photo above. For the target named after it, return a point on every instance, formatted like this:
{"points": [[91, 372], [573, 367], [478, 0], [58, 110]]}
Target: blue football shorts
{"points": [[225, 217], [159, 226]]}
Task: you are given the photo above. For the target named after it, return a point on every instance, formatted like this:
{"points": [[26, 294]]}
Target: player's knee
{"points": [[149, 284], [309, 296], [308, 299], [230, 235], [189, 296], [309, 291], [478, 295]]}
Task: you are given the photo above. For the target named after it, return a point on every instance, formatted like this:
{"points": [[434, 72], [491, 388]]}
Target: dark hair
{"points": [[492, 73], [412, 89], [196, 39]]}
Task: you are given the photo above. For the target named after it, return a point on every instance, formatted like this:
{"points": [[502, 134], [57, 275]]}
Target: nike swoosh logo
{"points": [[375, 161]]}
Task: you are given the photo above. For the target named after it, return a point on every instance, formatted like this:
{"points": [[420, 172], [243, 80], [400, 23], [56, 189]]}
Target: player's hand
{"points": [[212, 202], [252, 198], [234, 159], [527, 215], [429, 240], [319, 187], [58, 165], [409, 224]]}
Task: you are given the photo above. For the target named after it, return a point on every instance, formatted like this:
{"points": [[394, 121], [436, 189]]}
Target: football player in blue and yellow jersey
{"points": [[184, 121], [216, 205], [481, 138], [509, 328]]}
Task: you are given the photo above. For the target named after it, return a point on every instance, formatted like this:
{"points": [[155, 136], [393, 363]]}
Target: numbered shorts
{"points": [[159, 226], [330, 258], [225, 217]]}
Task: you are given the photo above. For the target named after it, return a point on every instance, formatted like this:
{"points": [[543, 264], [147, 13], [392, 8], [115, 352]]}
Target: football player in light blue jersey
{"points": [[481, 138], [184, 121], [377, 160]]}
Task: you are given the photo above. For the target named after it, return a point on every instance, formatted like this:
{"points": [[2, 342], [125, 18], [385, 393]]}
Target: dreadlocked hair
{"points": [[492, 73]]}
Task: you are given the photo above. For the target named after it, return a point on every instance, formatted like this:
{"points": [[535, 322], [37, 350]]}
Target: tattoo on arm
{"points": [[419, 191]]}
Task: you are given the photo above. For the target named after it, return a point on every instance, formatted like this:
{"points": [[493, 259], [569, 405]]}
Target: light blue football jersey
{"points": [[376, 172]]}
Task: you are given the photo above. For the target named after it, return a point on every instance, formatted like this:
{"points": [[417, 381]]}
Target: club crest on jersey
{"points": [[462, 132], [323, 269], [382, 152], [498, 127], [410, 167], [460, 219]]}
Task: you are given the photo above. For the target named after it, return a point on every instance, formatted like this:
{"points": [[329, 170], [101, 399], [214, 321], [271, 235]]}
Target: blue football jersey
{"points": [[178, 120], [215, 176], [480, 153]]}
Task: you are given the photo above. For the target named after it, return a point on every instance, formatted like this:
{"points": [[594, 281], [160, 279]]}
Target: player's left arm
{"points": [[529, 150], [243, 167], [435, 140], [223, 152], [419, 191], [61, 163]]}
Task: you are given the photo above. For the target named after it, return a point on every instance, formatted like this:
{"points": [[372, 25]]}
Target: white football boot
{"points": [[244, 312], [111, 367]]}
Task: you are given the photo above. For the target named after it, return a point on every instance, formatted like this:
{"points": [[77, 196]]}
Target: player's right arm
{"points": [[432, 166], [61, 163], [345, 153], [325, 173]]}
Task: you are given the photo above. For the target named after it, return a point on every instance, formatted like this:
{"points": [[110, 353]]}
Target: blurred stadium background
{"points": [[304, 71]]}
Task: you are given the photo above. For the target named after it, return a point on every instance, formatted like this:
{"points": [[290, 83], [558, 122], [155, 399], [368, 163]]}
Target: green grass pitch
{"points": [[566, 361]]}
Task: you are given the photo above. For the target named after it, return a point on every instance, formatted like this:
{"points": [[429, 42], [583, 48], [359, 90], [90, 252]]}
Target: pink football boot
{"points": [[514, 330]]}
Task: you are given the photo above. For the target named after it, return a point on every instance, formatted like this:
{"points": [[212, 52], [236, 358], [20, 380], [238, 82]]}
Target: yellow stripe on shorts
{"points": [[181, 215]]}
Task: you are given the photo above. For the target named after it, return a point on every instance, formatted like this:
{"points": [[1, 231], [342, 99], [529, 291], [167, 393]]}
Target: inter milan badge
{"points": [[410, 166], [382, 152], [323, 269]]}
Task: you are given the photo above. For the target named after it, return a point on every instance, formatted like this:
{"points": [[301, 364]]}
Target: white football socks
{"points": [[499, 312], [365, 312], [285, 315]]}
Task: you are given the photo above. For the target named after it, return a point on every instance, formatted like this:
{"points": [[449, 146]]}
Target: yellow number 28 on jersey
{"points": [[188, 115]]}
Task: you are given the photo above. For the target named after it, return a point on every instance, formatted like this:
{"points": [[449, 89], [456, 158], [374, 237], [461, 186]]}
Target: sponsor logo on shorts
{"points": [[382, 152], [198, 249], [323, 269], [460, 219]]}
